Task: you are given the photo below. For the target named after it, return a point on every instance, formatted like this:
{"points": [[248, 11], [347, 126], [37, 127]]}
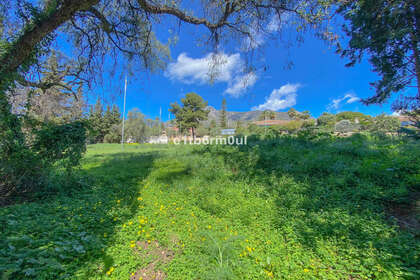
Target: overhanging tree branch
{"points": [[153, 9], [22, 48]]}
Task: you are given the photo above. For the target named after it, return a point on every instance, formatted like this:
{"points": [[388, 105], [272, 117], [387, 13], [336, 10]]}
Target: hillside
{"points": [[242, 116]]}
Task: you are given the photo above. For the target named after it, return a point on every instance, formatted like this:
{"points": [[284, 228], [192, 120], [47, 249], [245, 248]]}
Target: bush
{"points": [[65, 143], [292, 126], [345, 126], [26, 165], [384, 123]]}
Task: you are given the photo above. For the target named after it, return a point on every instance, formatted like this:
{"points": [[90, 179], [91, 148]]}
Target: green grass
{"points": [[286, 208]]}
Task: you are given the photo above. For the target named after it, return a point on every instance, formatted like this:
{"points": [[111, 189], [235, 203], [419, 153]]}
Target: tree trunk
{"points": [[22, 49], [415, 42], [417, 62]]}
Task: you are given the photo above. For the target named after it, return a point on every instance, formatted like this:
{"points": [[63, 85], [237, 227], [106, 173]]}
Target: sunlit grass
{"points": [[285, 210]]}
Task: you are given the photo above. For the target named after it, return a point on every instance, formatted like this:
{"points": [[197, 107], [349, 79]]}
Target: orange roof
{"points": [[404, 118], [271, 122]]}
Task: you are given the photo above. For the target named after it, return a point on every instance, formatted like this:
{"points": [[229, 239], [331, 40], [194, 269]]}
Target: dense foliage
{"points": [[104, 125], [26, 164], [223, 115], [286, 208], [192, 112], [389, 33], [267, 115]]}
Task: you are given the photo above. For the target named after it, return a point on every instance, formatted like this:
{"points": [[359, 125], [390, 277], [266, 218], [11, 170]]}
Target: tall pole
{"points": [[160, 120], [125, 93], [265, 124]]}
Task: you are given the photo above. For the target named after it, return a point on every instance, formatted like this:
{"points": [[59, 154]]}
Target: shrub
{"points": [[25, 165], [292, 126], [384, 123], [65, 143], [345, 126]]}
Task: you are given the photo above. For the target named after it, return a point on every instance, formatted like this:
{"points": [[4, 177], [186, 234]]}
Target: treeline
{"points": [[45, 135], [106, 125], [341, 123], [345, 122], [192, 118]]}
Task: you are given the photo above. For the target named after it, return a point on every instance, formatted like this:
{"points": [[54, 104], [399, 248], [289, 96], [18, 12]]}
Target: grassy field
{"points": [[285, 208]]}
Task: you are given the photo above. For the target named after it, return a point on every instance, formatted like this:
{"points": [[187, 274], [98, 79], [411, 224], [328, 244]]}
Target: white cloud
{"points": [[348, 98], [260, 34], [241, 83], [281, 98], [351, 98], [256, 39], [213, 67], [192, 70], [396, 113]]}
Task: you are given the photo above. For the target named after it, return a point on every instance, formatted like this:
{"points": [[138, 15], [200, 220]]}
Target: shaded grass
{"points": [[283, 209]]}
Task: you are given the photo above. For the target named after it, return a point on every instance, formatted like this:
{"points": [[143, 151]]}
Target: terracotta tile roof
{"points": [[271, 122], [403, 118]]}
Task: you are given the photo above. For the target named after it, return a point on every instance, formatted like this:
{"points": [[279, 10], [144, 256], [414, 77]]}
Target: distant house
{"points": [[271, 122], [176, 129], [227, 131], [162, 139], [405, 121]]}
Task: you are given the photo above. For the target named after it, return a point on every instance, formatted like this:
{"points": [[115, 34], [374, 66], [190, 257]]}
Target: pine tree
{"points": [[213, 128], [96, 120], [107, 120], [192, 112], [223, 115], [116, 115], [272, 115]]}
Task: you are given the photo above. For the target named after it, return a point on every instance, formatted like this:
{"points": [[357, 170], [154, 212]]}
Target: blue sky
{"points": [[318, 81]]}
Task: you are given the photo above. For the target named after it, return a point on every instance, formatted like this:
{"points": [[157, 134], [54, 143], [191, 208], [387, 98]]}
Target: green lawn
{"points": [[278, 209]]}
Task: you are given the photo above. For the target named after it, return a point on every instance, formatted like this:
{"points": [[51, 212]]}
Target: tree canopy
{"points": [[191, 113], [389, 33], [223, 115], [267, 115], [99, 28]]}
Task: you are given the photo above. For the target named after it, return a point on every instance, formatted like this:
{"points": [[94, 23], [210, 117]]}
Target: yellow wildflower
{"points": [[269, 274], [111, 269]]}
